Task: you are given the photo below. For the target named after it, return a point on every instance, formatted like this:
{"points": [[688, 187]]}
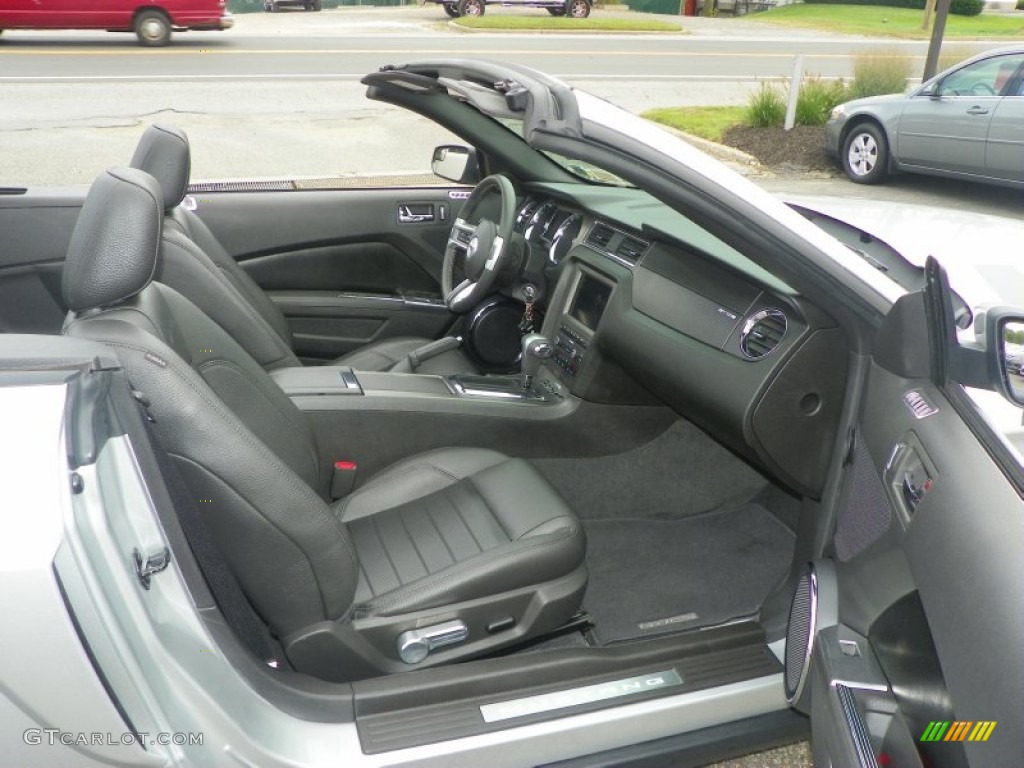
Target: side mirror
{"points": [[932, 90], [455, 163], [1004, 336]]}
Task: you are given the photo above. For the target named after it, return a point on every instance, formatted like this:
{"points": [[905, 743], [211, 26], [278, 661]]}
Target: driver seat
{"points": [[194, 263]]}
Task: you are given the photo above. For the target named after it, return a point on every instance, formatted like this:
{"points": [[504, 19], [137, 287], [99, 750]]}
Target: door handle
{"points": [[407, 216], [977, 111]]}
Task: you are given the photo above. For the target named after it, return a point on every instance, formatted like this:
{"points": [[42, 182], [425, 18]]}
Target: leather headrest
{"points": [[114, 246], [164, 154]]}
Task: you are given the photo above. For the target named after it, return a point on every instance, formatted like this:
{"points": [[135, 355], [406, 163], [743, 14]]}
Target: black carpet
{"points": [[681, 472], [650, 577]]}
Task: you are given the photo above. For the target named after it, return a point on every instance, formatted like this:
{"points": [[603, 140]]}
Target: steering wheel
{"points": [[980, 89], [485, 244]]}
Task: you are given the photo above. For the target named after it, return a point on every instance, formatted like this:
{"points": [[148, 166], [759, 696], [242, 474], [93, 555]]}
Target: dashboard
{"points": [[635, 291]]}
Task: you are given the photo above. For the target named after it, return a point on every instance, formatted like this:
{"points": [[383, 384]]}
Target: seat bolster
{"points": [[203, 236], [521, 499], [502, 527], [533, 560], [415, 478], [275, 531], [189, 270]]}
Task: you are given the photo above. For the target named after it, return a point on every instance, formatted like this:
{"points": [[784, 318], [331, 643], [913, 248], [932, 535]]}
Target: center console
{"points": [[577, 322], [567, 386], [339, 388]]}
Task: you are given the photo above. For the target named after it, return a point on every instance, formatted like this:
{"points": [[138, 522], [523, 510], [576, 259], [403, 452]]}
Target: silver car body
{"points": [[181, 701]]}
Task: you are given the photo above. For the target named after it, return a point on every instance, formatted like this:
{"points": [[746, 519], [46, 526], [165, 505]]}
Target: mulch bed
{"points": [[801, 147]]}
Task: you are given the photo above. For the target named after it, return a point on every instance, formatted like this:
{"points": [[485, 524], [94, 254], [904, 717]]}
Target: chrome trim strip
{"points": [[812, 630], [858, 731], [629, 722], [856, 685], [753, 320], [575, 697], [348, 378]]}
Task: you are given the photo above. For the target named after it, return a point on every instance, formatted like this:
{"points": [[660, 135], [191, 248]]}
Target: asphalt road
{"points": [[345, 43], [280, 94]]}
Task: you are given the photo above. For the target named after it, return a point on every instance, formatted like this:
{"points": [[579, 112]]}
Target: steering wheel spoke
{"points": [[480, 242], [460, 293], [462, 233]]}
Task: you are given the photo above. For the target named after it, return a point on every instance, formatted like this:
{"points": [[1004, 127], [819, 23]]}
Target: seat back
{"points": [[195, 263], [240, 444]]}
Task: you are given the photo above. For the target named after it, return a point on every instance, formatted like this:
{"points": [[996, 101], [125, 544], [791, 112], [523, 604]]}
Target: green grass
{"points": [[884, 21], [707, 122], [562, 24]]}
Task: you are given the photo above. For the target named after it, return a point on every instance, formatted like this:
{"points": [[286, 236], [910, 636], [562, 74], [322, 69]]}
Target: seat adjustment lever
{"points": [[414, 645]]}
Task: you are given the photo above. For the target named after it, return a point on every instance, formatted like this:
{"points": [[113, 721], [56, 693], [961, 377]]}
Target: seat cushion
{"points": [[454, 525], [392, 355]]}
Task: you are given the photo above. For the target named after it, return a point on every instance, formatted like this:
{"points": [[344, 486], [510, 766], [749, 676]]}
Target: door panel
{"points": [[327, 324], [947, 133], [368, 267], [347, 267], [932, 600], [36, 229], [343, 265]]}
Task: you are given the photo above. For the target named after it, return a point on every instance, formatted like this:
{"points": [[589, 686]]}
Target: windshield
{"points": [[579, 168]]}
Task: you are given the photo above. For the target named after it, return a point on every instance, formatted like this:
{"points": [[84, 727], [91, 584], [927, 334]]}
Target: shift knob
{"points": [[536, 349]]}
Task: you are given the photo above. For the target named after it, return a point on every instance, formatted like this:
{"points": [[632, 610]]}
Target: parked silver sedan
{"points": [[967, 122]]}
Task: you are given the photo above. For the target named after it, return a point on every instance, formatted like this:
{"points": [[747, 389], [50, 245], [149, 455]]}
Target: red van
{"points": [[151, 21]]}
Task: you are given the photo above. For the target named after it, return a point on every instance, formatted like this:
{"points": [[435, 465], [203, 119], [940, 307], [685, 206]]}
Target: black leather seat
{"points": [[452, 534], [194, 263]]}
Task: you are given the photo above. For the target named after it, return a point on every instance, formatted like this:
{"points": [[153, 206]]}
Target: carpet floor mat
{"points": [[650, 577]]}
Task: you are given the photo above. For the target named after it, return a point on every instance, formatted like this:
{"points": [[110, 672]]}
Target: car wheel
{"points": [[866, 154], [451, 10], [471, 7], [153, 28], [577, 9], [556, 11]]}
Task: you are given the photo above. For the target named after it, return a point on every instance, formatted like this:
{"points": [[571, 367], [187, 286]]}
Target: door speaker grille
{"points": [[801, 634]]}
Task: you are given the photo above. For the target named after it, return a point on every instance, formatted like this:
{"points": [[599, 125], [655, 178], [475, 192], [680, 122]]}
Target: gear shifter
{"points": [[536, 349]]}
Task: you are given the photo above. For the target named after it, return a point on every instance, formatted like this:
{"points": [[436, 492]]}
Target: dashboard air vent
{"points": [[631, 249], [762, 332], [600, 236]]}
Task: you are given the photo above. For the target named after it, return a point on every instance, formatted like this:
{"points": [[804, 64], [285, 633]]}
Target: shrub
{"points": [[816, 100], [960, 7], [766, 107], [879, 71], [967, 7]]}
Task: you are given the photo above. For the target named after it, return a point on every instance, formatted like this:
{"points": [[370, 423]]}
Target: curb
{"points": [[452, 25], [748, 164]]}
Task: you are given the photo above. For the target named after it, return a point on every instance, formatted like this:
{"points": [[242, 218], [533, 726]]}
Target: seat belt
{"points": [[224, 587]]}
